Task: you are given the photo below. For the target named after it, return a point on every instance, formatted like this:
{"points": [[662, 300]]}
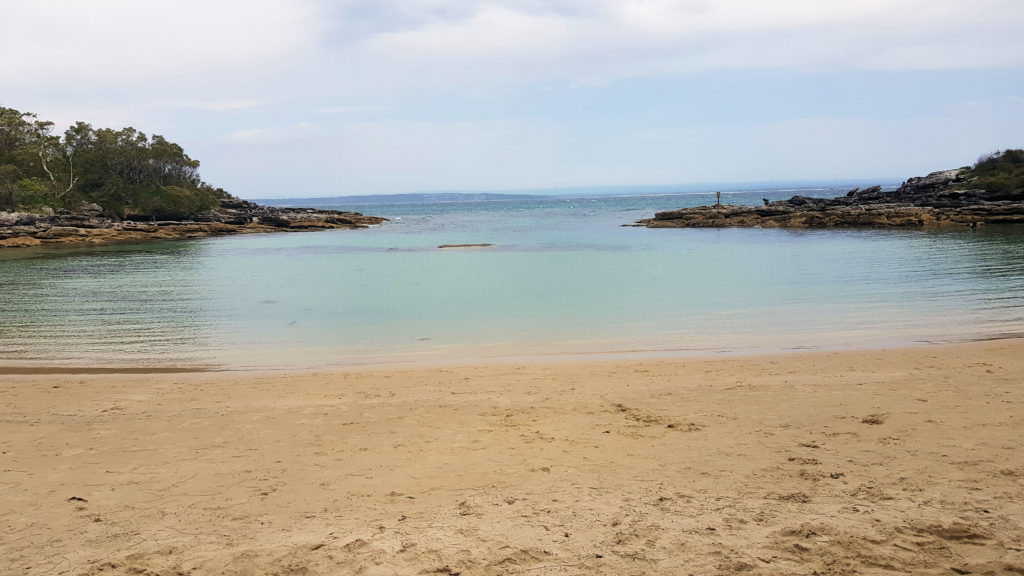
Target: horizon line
{"points": [[600, 190]]}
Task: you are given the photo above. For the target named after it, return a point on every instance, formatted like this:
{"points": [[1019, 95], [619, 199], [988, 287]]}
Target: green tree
{"points": [[8, 184], [124, 170]]}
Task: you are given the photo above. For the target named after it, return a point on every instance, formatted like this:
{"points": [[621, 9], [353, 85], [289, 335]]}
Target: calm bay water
{"points": [[563, 276]]}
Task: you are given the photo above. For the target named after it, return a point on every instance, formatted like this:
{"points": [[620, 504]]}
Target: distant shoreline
{"points": [[569, 193]]}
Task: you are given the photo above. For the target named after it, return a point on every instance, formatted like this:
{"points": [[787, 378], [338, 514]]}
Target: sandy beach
{"points": [[870, 462]]}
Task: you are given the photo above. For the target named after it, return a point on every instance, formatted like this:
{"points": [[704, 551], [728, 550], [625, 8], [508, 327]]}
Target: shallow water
{"points": [[564, 276]]}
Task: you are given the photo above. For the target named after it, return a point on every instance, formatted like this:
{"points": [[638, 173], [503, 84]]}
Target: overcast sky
{"points": [[299, 98]]}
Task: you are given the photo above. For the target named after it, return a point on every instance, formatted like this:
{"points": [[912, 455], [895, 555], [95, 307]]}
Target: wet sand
{"points": [[871, 462]]}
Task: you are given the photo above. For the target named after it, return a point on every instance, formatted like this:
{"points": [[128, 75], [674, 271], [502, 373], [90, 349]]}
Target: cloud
{"points": [[415, 94], [277, 134], [352, 50], [229, 105], [531, 41], [352, 110], [166, 42]]}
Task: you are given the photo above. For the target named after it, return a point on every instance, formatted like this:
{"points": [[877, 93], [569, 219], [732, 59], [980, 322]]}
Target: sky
{"points": [[312, 98]]}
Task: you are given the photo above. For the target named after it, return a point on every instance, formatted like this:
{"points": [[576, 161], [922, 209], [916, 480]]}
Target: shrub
{"points": [[1000, 173], [174, 202], [32, 195]]}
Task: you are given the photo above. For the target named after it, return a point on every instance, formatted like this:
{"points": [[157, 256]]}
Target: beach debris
{"points": [[77, 499]]}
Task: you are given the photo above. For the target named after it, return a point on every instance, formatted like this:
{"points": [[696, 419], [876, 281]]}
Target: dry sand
{"points": [[877, 462]]}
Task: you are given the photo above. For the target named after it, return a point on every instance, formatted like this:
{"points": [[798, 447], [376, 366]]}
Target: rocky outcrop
{"points": [[938, 199], [233, 216]]}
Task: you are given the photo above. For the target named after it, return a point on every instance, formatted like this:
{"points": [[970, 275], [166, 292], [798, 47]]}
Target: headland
{"points": [[232, 216], [992, 192], [102, 185]]}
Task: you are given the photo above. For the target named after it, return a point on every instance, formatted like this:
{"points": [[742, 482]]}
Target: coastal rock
{"points": [[91, 209], [870, 192], [935, 200], [932, 182], [233, 216], [20, 242]]}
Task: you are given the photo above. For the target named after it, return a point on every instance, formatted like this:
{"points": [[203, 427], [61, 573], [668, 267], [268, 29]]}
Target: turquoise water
{"points": [[564, 276]]}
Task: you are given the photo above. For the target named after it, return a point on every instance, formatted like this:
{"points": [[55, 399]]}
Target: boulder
{"points": [[90, 209]]}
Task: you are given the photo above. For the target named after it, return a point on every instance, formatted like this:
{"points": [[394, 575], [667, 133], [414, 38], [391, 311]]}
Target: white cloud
{"points": [[277, 134], [228, 105], [352, 110], [493, 31], [455, 87], [612, 39], [228, 50], [167, 42], [368, 50]]}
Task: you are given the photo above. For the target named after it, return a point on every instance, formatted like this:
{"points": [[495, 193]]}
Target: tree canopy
{"points": [[124, 171]]}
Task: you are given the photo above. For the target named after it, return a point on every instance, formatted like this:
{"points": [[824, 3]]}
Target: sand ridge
{"points": [[870, 462]]}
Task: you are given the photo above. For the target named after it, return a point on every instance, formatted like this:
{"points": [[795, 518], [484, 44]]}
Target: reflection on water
{"points": [[563, 276]]}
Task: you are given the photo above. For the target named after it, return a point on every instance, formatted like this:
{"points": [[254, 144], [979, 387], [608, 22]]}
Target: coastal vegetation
{"points": [[1000, 173], [125, 172]]}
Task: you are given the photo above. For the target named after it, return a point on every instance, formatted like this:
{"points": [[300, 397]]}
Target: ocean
{"points": [[564, 277]]}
